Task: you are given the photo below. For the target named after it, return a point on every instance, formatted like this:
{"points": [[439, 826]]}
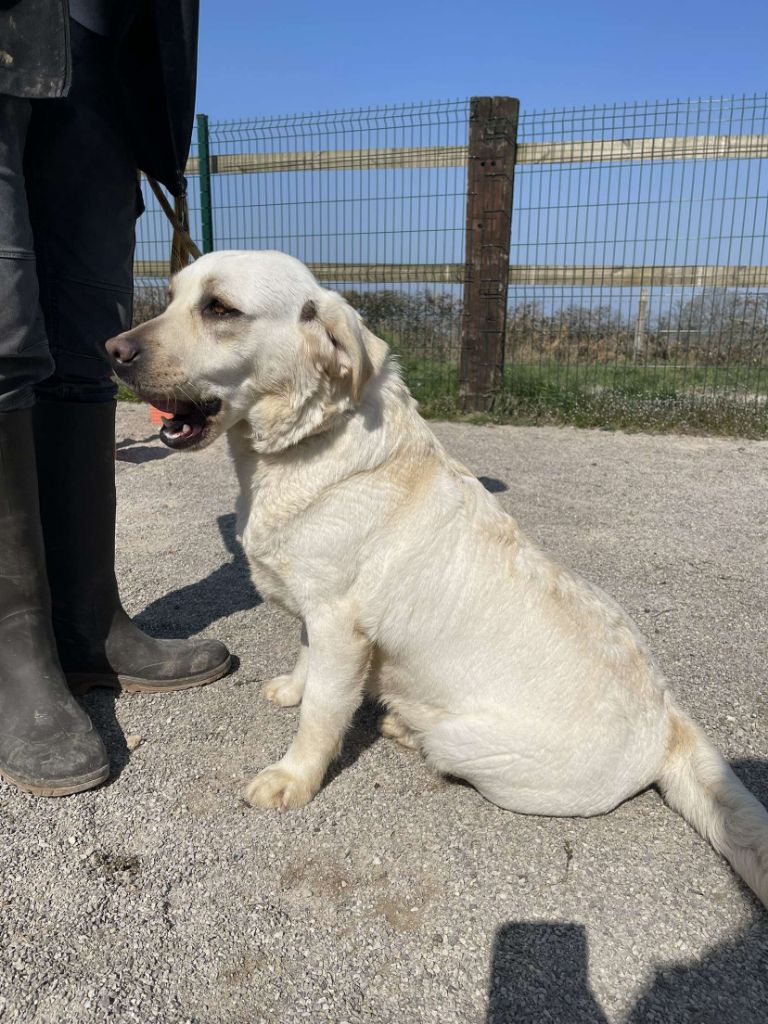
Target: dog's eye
{"points": [[217, 308]]}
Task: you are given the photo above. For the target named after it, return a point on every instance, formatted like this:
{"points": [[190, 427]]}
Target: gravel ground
{"points": [[396, 895]]}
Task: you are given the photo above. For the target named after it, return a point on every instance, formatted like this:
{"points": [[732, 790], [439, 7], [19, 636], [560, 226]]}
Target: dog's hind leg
{"points": [[383, 679], [288, 690], [394, 728], [533, 765]]}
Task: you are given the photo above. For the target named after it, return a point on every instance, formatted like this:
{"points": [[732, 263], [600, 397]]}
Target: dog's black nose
{"points": [[122, 349]]}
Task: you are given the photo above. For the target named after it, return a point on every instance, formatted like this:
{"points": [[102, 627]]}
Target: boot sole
{"points": [[79, 785], [82, 682]]}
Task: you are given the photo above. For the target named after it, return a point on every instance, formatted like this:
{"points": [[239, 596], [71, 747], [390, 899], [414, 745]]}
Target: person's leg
{"points": [[24, 356], [47, 742], [83, 197]]}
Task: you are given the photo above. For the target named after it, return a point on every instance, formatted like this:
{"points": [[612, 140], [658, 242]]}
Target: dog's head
{"points": [[248, 336]]}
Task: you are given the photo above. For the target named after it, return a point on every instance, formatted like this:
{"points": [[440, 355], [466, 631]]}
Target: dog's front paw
{"points": [[280, 788], [283, 690]]}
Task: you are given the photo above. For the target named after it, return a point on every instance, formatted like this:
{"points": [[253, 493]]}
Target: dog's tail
{"points": [[698, 783]]}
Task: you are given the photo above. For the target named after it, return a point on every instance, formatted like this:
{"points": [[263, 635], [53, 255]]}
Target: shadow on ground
{"points": [[539, 970], [191, 609], [539, 974], [137, 451], [492, 484], [142, 453], [362, 734], [180, 613], [128, 441], [100, 705]]}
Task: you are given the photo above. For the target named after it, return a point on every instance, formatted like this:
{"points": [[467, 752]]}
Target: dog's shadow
{"points": [[137, 451], [180, 613], [493, 484], [363, 732], [191, 609], [140, 454]]}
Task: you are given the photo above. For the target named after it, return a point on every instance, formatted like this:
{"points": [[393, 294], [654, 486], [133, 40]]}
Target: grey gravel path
{"points": [[398, 896]]}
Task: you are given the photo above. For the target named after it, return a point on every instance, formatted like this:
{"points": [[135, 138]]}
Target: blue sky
{"points": [[267, 57]]}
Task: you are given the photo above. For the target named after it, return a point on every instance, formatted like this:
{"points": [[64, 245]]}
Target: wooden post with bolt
{"points": [[490, 179]]}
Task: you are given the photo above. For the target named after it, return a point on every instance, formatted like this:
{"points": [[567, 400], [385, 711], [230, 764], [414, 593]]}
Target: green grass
{"points": [[124, 394], [710, 400]]}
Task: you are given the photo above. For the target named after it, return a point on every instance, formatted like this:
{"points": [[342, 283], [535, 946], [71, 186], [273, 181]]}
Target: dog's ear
{"points": [[339, 339]]}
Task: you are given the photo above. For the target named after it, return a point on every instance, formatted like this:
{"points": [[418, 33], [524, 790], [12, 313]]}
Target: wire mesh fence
{"points": [[373, 200], [656, 215], [638, 279]]}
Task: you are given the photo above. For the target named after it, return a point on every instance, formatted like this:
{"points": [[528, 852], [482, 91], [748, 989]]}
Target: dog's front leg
{"points": [[336, 667]]}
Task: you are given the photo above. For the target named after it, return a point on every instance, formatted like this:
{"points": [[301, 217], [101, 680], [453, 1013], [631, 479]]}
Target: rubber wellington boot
{"points": [[47, 743], [97, 642]]}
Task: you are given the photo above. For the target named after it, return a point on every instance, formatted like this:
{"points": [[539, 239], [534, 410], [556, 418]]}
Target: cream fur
{"points": [[500, 666]]}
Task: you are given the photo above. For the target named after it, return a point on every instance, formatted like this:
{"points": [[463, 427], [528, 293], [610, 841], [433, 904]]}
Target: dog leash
{"points": [[183, 248]]}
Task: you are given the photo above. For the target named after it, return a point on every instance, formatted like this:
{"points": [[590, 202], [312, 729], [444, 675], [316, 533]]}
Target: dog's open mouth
{"points": [[188, 423]]}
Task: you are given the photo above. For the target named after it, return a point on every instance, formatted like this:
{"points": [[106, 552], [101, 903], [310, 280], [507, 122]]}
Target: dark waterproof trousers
{"points": [[69, 199]]}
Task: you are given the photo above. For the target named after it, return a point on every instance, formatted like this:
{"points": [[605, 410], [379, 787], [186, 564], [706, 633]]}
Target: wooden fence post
{"points": [[490, 177]]}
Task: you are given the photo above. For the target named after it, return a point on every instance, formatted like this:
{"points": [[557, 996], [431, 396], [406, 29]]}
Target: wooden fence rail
{"points": [[520, 274], [673, 147], [490, 156]]}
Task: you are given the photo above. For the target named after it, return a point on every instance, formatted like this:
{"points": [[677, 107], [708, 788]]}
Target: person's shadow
{"points": [[191, 609], [728, 984], [539, 970], [539, 976]]}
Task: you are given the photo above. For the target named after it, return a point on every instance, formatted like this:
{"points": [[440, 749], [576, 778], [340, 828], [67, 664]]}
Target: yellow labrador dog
{"points": [[500, 666]]}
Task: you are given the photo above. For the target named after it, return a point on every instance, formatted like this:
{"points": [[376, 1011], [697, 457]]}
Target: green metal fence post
{"points": [[204, 173]]}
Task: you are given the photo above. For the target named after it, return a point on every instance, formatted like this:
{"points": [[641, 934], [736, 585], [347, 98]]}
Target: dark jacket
{"points": [[156, 66]]}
